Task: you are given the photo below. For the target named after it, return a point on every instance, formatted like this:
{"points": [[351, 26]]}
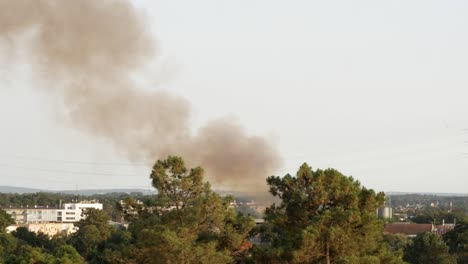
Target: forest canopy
{"points": [[321, 216]]}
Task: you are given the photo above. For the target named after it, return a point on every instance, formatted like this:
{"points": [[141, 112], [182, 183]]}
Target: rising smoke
{"points": [[86, 52]]}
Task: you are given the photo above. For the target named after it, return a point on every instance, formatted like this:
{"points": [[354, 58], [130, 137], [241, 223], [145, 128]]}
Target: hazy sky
{"points": [[375, 89]]}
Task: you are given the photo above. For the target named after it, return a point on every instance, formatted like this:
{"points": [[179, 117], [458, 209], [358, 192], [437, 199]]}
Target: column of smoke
{"points": [[86, 52]]}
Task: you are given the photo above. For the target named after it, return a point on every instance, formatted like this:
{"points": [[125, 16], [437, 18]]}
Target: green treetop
{"points": [[428, 248], [188, 223], [5, 220], [324, 217], [457, 240]]}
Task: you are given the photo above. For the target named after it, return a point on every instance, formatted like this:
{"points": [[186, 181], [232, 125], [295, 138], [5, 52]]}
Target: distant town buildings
{"points": [[50, 221]]}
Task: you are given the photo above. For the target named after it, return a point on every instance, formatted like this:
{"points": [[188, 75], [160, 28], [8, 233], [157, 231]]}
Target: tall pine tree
{"points": [[324, 217]]}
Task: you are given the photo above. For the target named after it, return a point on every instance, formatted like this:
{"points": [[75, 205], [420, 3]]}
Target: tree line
{"points": [[322, 216]]}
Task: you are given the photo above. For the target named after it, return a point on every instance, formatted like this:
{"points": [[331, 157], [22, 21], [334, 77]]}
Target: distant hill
{"points": [[21, 190], [260, 196], [12, 189], [427, 193], [104, 191]]}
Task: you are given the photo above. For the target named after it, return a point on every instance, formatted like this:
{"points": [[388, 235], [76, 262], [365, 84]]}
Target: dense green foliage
{"points": [[22, 246], [431, 215], [5, 220], [189, 223], [457, 240], [323, 216], [428, 248]]}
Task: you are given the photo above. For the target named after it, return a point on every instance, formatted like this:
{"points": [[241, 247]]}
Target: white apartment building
{"points": [[40, 215], [69, 213], [72, 212], [36, 214]]}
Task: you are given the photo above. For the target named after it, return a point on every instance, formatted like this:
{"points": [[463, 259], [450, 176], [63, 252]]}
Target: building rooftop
{"points": [[408, 229], [28, 208]]}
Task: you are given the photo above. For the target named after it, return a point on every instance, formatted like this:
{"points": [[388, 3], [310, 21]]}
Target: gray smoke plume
{"points": [[86, 52]]}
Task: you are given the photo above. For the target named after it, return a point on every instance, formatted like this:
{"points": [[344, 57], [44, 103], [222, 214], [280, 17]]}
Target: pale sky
{"points": [[375, 89]]}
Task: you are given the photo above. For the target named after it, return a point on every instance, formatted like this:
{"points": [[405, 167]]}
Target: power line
{"points": [[66, 171], [22, 157], [72, 183]]}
